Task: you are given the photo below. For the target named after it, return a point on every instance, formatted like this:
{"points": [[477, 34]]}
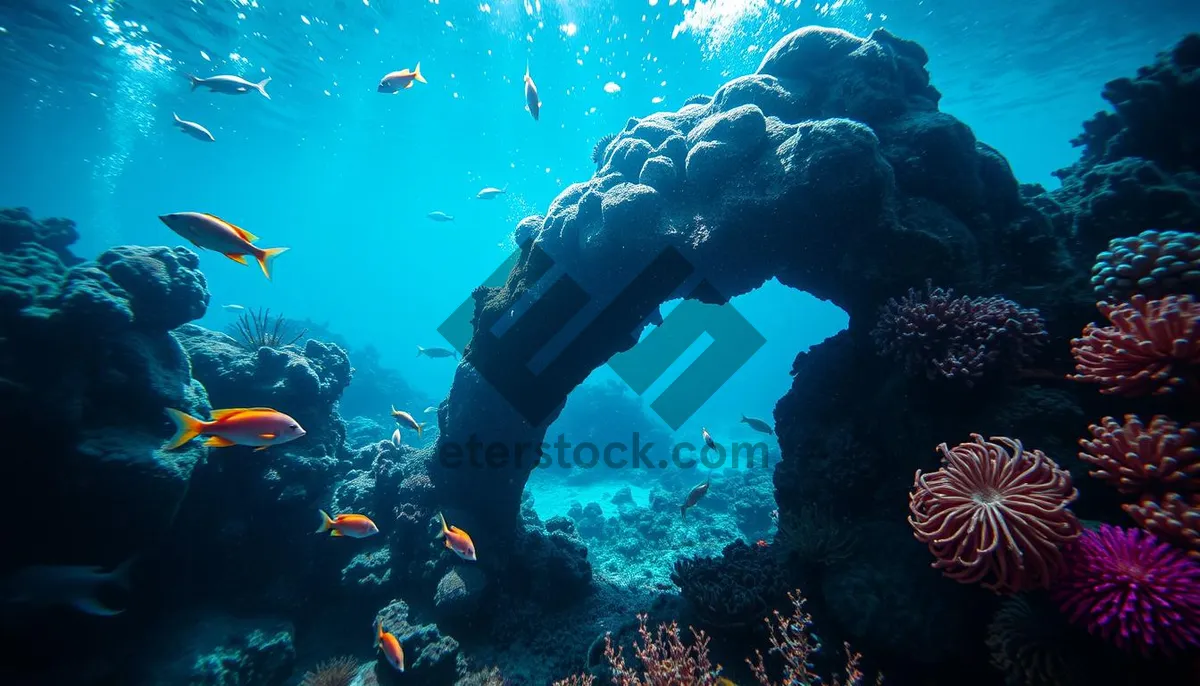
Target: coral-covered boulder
{"points": [[430, 656], [220, 650], [164, 285]]}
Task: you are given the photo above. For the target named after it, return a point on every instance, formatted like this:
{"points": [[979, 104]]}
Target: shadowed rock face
{"points": [[829, 168]]}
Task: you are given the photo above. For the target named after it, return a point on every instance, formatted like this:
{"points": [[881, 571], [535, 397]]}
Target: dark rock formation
{"points": [[830, 169], [221, 651], [431, 658], [86, 367]]}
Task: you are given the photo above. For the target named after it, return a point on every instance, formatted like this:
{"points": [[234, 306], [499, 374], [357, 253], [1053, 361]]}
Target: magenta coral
{"points": [[1152, 347], [989, 513], [1139, 459], [938, 335], [1132, 590]]}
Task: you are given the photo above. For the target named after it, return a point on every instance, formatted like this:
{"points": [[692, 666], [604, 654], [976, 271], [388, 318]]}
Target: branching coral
{"points": [[940, 336], [1132, 590], [995, 513], [1139, 459], [339, 671], [258, 329], [791, 640], [1153, 263], [1152, 347]]}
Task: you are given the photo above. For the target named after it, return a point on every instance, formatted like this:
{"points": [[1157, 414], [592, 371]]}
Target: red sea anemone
{"points": [[990, 512], [1153, 347], [1132, 590]]}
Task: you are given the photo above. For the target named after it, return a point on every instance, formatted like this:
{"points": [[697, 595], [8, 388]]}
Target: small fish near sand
{"points": [[531, 95], [390, 645], [758, 425], [44, 586], [440, 217], [227, 83], [349, 525], [490, 192], [193, 129], [694, 497], [457, 540], [209, 231], [261, 427], [396, 81], [437, 352]]}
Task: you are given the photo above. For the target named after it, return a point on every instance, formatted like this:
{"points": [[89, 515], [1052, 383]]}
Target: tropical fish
{"points": [[390, 645], [757, 425], [436, 352], [234, 85], [694, 497], [490, 192], [193, 129], [257, 426], [64, 585], [396, 81], [210, 231], [351, 525], [708, 439], [531, 94], [396, 438], [429, 409], [457, 540], [440, 217], [233, 308], [405, 418]]}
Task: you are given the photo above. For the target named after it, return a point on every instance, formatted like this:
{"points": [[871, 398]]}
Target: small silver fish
{"points": [[708, 439], [396, 440], [490, 192], [193, 129], [233, 85], [440, 217], [757, 425], [436, 352], [429, 409], [233, 308]]}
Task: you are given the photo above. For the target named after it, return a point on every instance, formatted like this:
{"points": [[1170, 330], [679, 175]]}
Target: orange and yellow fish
{"points": [[252, 426], [390, 645], [457, 540], [352, 525], [396, 81], [403, 417], [210, 231]]}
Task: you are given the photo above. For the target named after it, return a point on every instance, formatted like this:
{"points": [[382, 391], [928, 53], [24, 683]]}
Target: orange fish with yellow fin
{"points": [[261, 427]]}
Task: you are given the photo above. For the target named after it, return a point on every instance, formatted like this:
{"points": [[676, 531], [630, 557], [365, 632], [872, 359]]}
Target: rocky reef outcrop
{"points": [[829, 168]]}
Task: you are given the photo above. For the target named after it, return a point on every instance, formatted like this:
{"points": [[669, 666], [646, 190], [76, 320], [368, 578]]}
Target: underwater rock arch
{"points": [[829, 168]]}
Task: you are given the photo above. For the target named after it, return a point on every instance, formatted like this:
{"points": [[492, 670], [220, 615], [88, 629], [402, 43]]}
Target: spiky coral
{"points": [[792, 641], [600, 147], [1152, 347], [339, 671], [940, 336], [995, 513], [1132, 590], [258, 329], [1139, 459], [1174, 518]]}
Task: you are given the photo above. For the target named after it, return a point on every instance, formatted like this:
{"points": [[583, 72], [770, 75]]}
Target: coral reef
{"points": [[87, 365], [1132, 590], [256, 329], [1152, 347], [431, 658], [939, 336], [738, 588], [221, 651], [995, 513], [1152, 263]]}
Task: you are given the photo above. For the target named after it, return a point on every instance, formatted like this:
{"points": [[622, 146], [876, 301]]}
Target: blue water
{"points": [[345, 176]]}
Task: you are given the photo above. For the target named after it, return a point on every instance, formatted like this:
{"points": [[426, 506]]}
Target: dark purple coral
{"points": [[941, 336]]}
